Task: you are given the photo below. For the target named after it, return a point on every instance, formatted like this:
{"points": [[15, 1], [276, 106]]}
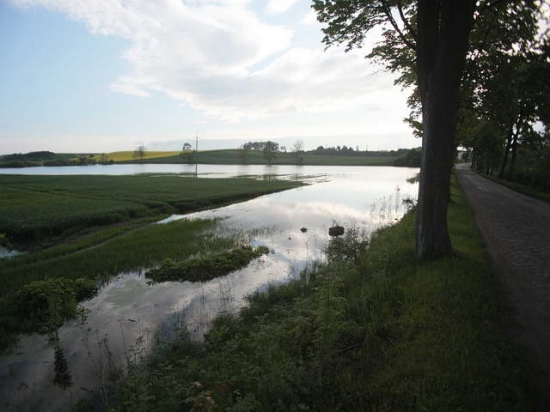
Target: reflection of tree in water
{"points": [[62, 377], [414, 179]]}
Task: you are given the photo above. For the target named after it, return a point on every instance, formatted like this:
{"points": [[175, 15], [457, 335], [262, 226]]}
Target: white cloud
{"points": [[279, 6], [310, 18], [218, 57]]}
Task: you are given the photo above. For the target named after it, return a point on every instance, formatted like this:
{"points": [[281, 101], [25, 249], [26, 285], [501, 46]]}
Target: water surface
{"points": [[129, 316]]}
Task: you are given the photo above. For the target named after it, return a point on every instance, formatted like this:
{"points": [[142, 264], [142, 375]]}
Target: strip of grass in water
{"points": [[206, 267], [146, 247], [386, 333]]}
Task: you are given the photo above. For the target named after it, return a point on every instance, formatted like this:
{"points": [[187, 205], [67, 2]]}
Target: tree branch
{"points": [[387, 12], [405, 20]]}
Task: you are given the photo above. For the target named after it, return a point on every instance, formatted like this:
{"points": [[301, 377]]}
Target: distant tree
{"points": [[139, 153], [256, 145], [244, 152], [187, 152], [410, 159], [103, 159], [270, 151], [298, 151]]}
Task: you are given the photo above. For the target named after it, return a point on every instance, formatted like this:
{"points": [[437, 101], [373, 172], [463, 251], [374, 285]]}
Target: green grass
{"points": [[136, 249], [518, 187], [208, 267], [381, 332], [255, 157], [35, 209], [129, 155]]}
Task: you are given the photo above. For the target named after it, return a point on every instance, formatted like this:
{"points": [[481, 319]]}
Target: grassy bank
{"points": [[518, 187], [373, 330], [37, 210], [254, 157]]}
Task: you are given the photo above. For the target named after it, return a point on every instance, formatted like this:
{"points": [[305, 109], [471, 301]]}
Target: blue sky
{"points": [[106, 75]]}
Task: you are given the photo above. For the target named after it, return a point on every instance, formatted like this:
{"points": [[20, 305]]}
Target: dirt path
{"points": [[516, 229]]}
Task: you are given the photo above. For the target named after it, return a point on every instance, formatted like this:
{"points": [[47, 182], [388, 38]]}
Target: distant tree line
{"points": [[350, 151], [411, 158], [505, 108], [45, 158]]}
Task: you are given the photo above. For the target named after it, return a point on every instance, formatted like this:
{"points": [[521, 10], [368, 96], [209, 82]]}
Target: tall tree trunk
{"points": [[509, 139], [440, 65]]}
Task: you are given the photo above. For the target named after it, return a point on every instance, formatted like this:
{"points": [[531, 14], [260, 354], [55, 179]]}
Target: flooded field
{"points": [[130, 316]]}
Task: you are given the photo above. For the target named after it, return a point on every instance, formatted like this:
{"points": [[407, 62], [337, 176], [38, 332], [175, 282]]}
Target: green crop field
{"points": [[129, 155], [36, 208]]}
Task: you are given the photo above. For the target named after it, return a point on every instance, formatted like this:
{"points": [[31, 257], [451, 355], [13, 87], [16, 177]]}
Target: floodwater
{"points": [[129, 316], [6, 253]]}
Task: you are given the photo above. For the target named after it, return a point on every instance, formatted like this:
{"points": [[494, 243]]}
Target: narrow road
{"points": [[516, 229]]}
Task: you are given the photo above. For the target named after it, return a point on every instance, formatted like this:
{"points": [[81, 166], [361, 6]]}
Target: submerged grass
{"points": [[379, 332], [144, 247]]}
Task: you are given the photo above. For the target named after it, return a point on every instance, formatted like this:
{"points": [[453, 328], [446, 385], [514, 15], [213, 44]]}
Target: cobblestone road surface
{"points": [[516, 229]]}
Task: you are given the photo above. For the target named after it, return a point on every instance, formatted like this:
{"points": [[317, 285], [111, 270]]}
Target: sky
{"points": [[108, 75]]}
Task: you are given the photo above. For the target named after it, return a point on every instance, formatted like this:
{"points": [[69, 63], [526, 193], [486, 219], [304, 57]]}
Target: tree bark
{"points": [[441, 61], [509, 139]]}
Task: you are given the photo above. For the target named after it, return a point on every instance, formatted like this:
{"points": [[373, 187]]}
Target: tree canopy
{"points": [[456, 54]]}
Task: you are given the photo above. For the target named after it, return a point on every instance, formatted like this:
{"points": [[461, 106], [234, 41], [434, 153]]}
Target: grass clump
{"points": [[206, 267], [376, 332], [43, 306]]}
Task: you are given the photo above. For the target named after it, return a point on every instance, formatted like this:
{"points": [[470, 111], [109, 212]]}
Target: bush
{"points": [[46, 304], [207, 267]]}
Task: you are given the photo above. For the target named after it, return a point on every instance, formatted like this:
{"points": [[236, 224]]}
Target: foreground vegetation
{"points": [[39, 210], [134, 250], [372, 330]]}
